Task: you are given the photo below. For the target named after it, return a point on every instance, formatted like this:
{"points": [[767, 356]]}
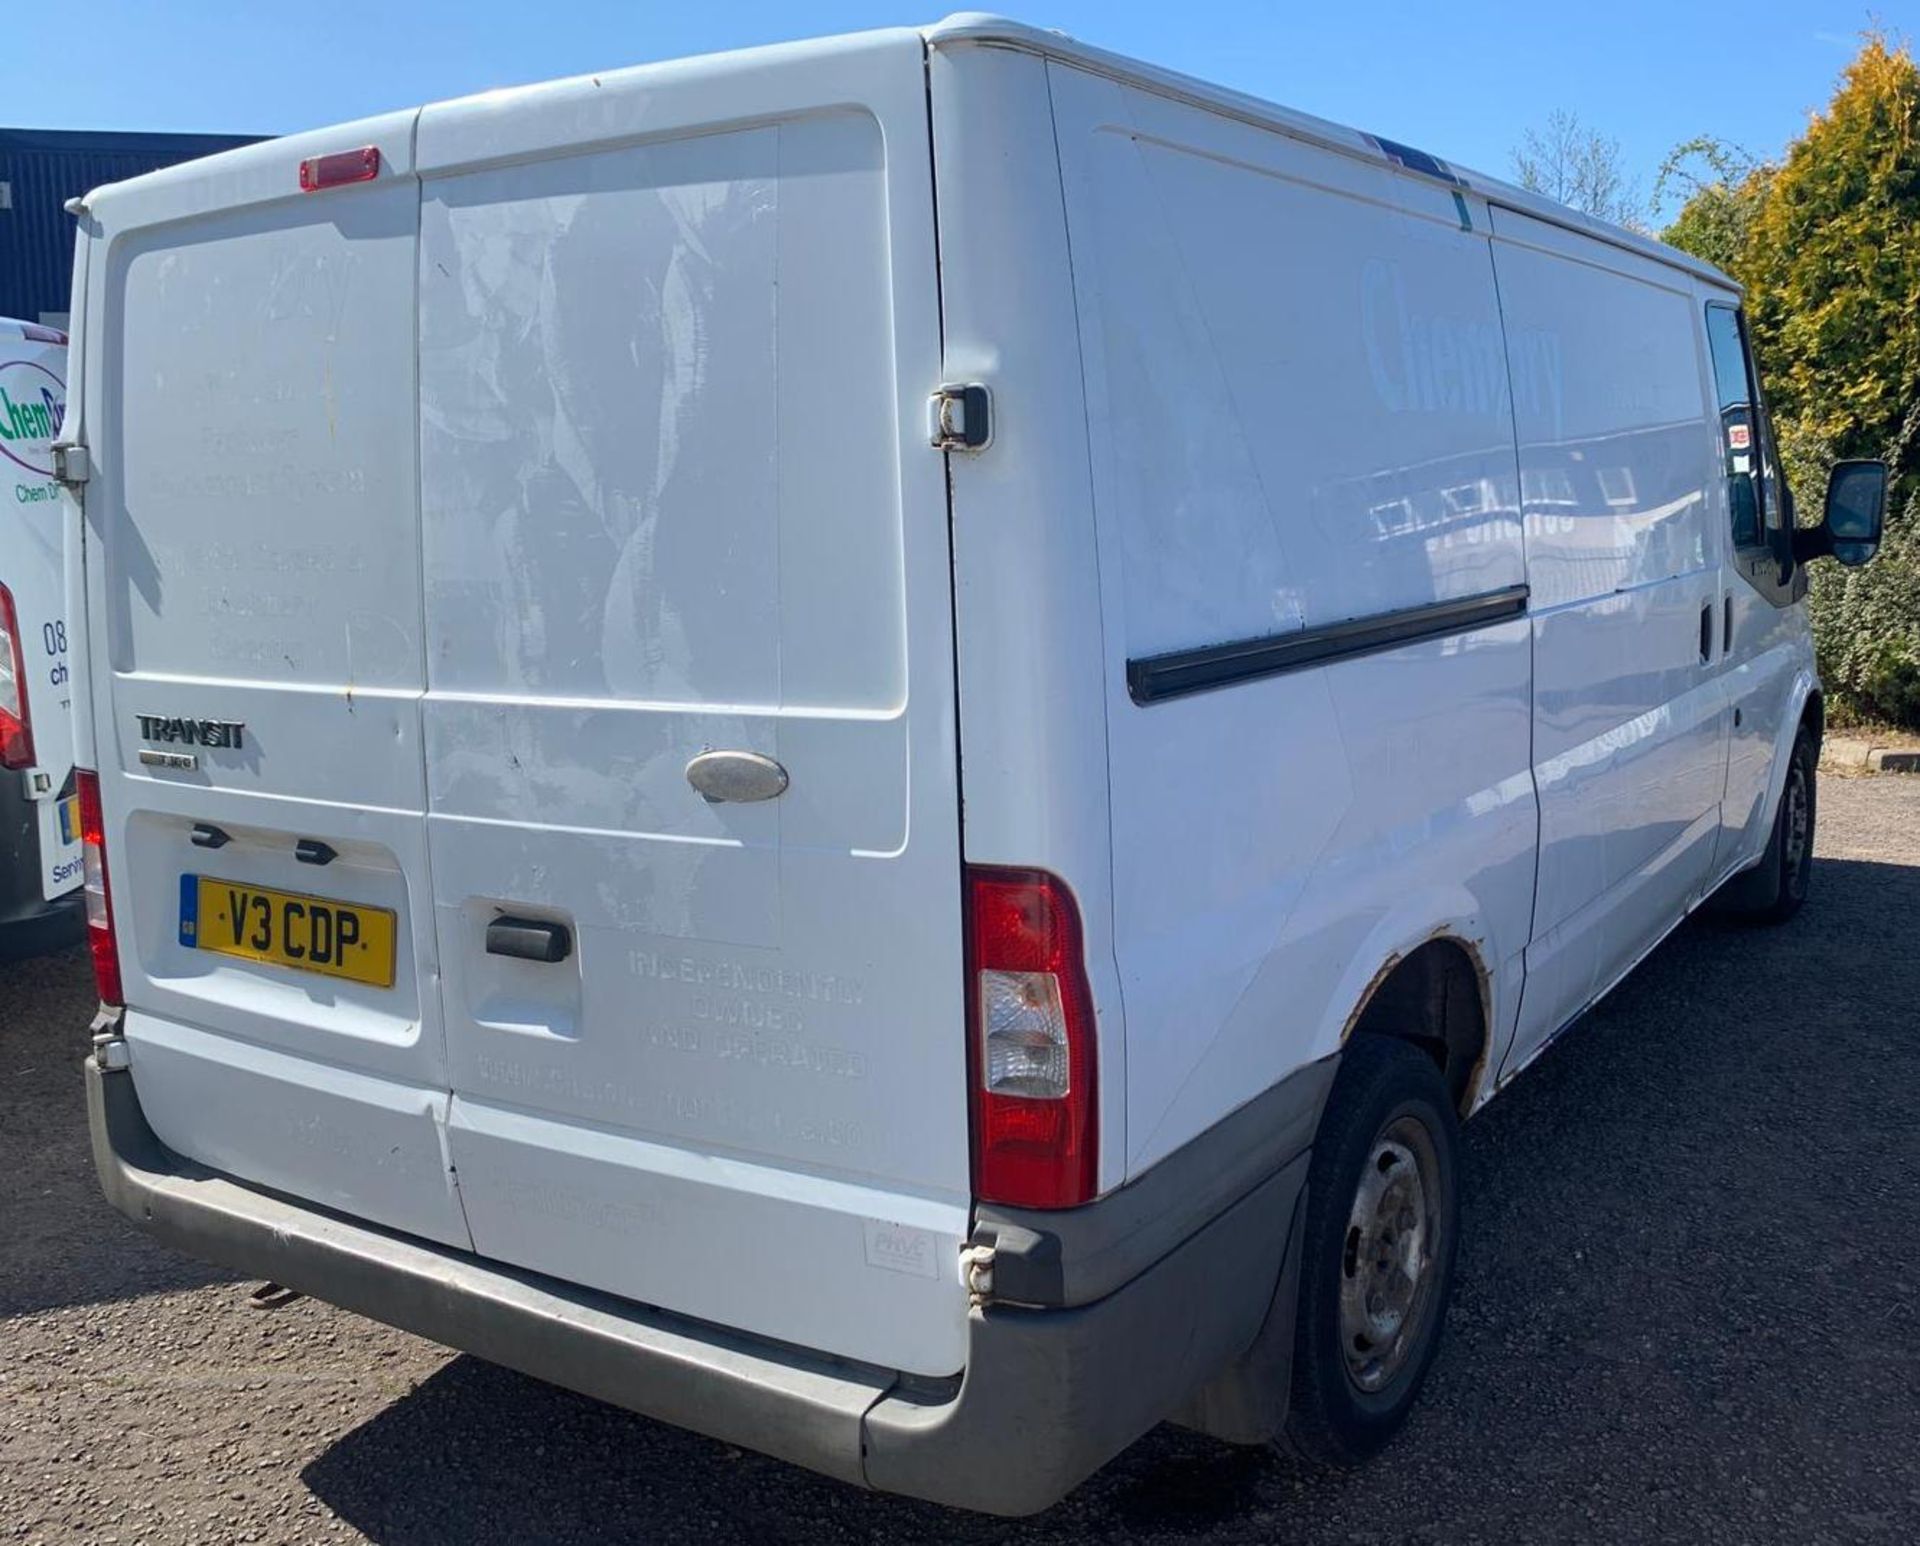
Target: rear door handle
{"points": [[529, 939], [1706, 630], [721, 777]]}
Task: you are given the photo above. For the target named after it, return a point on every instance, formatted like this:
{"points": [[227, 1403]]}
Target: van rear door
{"points": [[255, 638], [677, 331]]}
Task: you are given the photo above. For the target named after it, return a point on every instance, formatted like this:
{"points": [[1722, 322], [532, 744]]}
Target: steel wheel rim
{"points": [[1799, 820], [1387, 1262]]}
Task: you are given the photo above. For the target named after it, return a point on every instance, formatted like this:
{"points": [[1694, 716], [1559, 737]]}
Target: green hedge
{"points": [[1866, 629]]}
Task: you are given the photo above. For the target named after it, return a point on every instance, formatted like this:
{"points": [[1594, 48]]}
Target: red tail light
{"points": [[16, 723], [93, 851], [1035, 1142]]}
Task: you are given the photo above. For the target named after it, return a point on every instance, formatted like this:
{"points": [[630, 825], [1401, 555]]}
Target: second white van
{"points": [[40, 863], [867, 744]]}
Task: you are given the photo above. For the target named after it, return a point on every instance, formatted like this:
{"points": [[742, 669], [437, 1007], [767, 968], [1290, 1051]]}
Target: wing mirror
{"points": [[1849, 531]]}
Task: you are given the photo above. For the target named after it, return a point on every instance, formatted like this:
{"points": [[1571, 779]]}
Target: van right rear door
{"points": [[677, 331]]}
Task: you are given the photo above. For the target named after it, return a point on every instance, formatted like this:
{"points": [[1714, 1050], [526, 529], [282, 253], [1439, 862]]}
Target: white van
{"points": [[39, 813], [864, 744]]}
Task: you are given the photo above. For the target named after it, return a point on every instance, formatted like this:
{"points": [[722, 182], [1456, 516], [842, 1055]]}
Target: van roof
{"points": [[999, 31], [977, 27]]}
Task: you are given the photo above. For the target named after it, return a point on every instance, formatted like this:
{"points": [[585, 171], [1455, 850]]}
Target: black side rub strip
{"points": [[1159, 677]]}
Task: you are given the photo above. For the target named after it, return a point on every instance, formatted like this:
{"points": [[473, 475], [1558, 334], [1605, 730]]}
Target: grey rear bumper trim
{"points": [[1082, 1254], [800, 1409], [1047, 1397]]}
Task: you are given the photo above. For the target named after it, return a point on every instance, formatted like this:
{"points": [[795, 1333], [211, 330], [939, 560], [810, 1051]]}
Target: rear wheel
{"points": [[1377, 1251]]}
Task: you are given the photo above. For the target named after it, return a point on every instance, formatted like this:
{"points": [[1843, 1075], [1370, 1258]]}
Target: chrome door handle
{"points": [[729, 777]]}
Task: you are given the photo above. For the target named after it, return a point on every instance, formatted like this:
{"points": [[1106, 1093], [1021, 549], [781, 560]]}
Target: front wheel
{"points": [[1377, 1251], [1776, 888], [1795, 835]]}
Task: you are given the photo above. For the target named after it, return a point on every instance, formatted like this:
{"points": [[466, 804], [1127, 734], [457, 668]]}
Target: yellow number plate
{"points": [[287, 928]]}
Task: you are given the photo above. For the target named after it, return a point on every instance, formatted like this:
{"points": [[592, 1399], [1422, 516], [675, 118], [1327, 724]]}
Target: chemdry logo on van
{"points": [[225, 733], [33, 401]]}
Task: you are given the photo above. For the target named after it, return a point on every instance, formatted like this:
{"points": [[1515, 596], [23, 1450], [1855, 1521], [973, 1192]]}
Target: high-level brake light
{"points": [[343, 166]]}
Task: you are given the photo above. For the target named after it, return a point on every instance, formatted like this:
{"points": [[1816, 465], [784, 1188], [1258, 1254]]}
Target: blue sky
{"points": [[1460, 78]]}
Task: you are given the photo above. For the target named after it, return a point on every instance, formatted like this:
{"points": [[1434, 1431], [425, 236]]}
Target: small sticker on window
{"points": [[1739, 437]]}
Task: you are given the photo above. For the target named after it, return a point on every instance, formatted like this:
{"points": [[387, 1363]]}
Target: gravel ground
{"points": [[1685, 1313]]}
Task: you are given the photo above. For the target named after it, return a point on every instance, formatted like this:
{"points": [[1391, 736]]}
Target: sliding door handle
{"points": [[1706, 630]]}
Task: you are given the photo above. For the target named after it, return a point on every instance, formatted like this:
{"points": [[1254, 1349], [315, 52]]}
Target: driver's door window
{"points": [[1740, 427], [1760, 508]]}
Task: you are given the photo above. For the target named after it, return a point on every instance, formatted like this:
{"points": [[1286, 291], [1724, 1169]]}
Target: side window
{"points": [[1740, 426], [1779, 497]]}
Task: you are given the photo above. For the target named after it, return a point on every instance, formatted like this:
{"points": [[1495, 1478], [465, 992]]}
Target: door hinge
{"points": [[960, 417], [70, 463], [976, 1272], [110, 1053]]}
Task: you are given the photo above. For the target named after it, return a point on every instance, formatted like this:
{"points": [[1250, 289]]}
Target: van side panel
{"points": [[1629, 733], [1298, 411], [1032, 660]]}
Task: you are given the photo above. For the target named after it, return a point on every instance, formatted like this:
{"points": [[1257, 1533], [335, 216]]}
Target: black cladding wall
{"points": [[40, 169]]}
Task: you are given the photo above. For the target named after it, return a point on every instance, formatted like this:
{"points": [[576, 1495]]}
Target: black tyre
{"points": [[1776, 888], [1377, 1251], [1791, 846]]}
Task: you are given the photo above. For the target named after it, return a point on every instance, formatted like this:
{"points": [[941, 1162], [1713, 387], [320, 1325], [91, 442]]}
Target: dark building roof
{"points": [[40, 169]]}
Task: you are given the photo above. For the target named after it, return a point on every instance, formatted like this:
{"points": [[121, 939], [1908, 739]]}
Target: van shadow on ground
{"points": [[1656, 1323], [60, 1244]]}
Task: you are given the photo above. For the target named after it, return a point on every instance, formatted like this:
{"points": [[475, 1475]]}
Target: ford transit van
{"points": [[866, 744], [39, 812]]}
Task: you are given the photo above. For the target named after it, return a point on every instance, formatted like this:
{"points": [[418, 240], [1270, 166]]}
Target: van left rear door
{"points": [[254, 616]]}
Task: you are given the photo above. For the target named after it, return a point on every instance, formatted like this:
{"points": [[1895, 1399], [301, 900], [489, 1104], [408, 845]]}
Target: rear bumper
{"points": [[1048, 1395]]}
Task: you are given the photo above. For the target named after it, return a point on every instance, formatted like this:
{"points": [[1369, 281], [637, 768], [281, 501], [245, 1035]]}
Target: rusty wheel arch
{"points": [[1435, 996]]}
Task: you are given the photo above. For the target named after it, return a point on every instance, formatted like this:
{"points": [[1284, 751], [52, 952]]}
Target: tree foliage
{"points": [[1579, 167], [1833, 263], [1828, 246], [1722, 189]]}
